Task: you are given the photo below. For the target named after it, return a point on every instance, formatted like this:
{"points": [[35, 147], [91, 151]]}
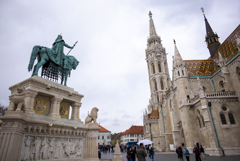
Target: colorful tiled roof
{"points": [[207, 67], [102, 129], [154, 114], [134, 130]]}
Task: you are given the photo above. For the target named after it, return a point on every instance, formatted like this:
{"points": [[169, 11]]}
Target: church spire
{"points": [[152, 31], [211, 37], [178, 61]]}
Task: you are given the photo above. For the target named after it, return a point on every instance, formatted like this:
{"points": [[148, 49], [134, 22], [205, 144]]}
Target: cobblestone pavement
{"points": [[173, 157]]}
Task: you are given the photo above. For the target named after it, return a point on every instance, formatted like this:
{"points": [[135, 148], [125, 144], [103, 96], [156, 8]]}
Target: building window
{"points": [[223, 119], [199, 122], [155, 83], [102, 137], [159, 67], [162, 87], [158, 99], [132, 135], [204, 89], [178, 73], [231, 118], [98, 137], [224, 108], [221, 84], [108, 137], [153, 68], [203, 122], [182, 72], [131, 139]]}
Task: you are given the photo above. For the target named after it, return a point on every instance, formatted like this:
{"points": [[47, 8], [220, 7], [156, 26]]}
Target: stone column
{"points": [[29, 101], [90, 150], [55, 107], [75, 111]]}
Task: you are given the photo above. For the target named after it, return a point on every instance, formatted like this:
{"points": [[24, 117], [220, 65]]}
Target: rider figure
{"points": [[58, 45]]}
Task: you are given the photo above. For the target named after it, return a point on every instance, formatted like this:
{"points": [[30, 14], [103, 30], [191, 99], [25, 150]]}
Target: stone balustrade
{"points": [[220, 94]]}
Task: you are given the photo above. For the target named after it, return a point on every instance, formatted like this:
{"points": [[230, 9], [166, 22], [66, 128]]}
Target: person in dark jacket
{"points": [[197, 153], [180, 153], [141, 153], [133, 153], [202, 152], [151, 153], [129, 158], [99, 154], [186, 153]]}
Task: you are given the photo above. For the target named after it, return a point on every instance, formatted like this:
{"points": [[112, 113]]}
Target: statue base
{"points": [[39, 125]]}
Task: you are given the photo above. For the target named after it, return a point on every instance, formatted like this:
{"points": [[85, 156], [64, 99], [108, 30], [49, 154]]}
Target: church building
{"points": [[200, 105]]}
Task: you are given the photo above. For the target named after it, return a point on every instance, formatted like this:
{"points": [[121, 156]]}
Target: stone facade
{"points": [[37, 124], [197, 107]]}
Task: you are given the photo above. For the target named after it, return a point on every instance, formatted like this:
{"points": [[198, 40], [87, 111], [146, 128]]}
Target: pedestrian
{"points": [[186, 153], [133, 153], [147, 148], [141, 153], [177, 149], [151, 153], [109, 148], [112, 148], [129, 154], [180, 153], [99, 154], [202, 152], [197, 153]]}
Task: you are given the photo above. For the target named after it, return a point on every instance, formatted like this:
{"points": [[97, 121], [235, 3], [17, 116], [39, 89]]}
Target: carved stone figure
{"points": [[51, 148], [27, 152], [17, 100], [93, 116], [58, 149], [44, 149], [36, 148], [39, 106]]}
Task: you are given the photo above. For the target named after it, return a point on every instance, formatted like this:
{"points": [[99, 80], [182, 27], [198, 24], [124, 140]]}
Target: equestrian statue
{"points": [[53, 61]]}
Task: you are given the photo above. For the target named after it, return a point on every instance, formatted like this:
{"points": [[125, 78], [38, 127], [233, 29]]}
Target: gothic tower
{"points": [[211, 38], [157, 67]]}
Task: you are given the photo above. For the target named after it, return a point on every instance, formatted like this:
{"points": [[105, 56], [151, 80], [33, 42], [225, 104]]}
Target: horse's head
{"points": [[74, 61]]}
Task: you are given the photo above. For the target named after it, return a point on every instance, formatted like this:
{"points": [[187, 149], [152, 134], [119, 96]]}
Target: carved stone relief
{"points": [[49, 148]]}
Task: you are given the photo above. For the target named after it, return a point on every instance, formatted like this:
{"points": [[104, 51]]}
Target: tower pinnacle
{"points": [[211, 37], [152, 31]]}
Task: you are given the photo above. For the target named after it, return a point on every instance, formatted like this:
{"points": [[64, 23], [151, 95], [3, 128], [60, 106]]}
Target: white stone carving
{"points": [[93, 116], [17, 100], [49, 148]]}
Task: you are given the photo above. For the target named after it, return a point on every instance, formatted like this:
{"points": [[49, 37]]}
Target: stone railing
{"points": [[194, 99], [220, 94]]}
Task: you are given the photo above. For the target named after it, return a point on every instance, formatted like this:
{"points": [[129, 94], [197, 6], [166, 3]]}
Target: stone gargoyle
{"points": [[92, 117], [17, 100]]}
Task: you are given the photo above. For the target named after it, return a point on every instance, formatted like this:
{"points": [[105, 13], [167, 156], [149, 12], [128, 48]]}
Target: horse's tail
{"points": [[33, 56]]}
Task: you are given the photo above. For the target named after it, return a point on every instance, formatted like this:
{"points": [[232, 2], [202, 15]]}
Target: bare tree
{"points": [[3, 109]]}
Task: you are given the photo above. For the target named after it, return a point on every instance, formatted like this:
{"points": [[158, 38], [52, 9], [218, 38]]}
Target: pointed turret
{"points": [[152, 31], [211, 38], [178, 61]]}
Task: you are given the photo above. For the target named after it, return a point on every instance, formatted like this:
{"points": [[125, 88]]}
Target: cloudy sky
{"points": [[112, 37]]}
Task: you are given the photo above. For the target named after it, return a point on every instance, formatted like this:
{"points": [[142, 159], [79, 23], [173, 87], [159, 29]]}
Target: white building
{"points": [[104, 136], [132, 134]]}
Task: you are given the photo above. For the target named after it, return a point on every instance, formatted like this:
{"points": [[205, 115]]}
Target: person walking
{"points": [[141, 153], [129, 154], [151, 153], [133, 153], [186, 153], [180, 153], [202, 152], [99, 154], [197, 153]]}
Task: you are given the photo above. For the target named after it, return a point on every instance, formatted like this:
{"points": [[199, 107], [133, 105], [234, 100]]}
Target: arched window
{"points": [[153, 68], [178, 73], [161, 82], [231, 118], [155, 83], [204, 89], [221, 84], [159, 67], [203, 122], [199, 122], [182, 72], [158, 99], [223, 119]]}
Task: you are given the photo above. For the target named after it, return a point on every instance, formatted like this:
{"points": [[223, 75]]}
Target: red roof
{"points": [[134, 130], [102, 129]]}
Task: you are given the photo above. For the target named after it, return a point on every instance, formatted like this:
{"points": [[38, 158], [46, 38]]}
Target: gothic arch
{"points": [[159, 67], [153, 68]]}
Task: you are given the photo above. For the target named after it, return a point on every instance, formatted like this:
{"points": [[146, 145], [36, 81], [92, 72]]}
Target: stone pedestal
{"points": [[37, 124], [117, 155]]}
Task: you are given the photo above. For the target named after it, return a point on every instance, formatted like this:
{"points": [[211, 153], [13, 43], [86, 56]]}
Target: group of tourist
{"points": [[197, 151], [140, 153]]}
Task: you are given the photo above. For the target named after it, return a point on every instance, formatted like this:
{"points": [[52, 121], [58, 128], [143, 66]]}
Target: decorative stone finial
{"points": [[150, 14], [202, 10], [221, 60], [174, 41]]}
